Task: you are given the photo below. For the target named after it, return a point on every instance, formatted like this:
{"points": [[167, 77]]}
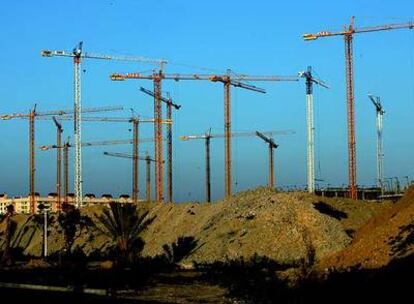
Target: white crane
{"points": [[77, 54], [380, 156], [310, 80]]}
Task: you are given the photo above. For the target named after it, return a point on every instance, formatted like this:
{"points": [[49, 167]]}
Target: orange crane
{"points": [[228, 80], [135, 127], [77, 54], [59, 131], [348, 33], [207, 136], [66, 169], [170, 104], [147, 160], [272, 145], [32, 116], [133, 141]]}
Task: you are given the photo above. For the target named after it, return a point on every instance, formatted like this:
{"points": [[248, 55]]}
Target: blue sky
{"points": [[252, 37]]}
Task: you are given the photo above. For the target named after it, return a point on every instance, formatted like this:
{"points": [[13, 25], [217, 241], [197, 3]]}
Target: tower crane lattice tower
{"points": [[207, 136], [376, 101], [348, 33], [77, 54], [228, 80], [310, 80], [32, 116]]}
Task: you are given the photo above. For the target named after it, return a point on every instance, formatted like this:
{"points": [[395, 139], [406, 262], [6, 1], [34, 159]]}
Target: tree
{"points": [[124, 224], [180, 249], [69, 219], [11, 226]]}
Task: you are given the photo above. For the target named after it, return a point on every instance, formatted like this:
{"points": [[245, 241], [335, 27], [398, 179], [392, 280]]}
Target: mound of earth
{"points": [[289, 228], [385, 237]]}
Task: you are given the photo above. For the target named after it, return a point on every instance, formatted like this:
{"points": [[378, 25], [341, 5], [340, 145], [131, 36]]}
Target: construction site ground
{"points": [[295, 230]]}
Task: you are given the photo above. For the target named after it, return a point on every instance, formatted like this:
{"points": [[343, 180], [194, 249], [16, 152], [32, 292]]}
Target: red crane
{"points": [[348, 33]]}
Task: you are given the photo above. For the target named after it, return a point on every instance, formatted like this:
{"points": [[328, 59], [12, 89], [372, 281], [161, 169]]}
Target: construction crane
{"points": [[272, 145], [207, 136], [310, 80], [134, 141], [348, 33], [170, 104], [147, 160], [376, 101], [32, 116], [135, 127], [59, 131], [228, 80], [66, 169], [77, 54]]}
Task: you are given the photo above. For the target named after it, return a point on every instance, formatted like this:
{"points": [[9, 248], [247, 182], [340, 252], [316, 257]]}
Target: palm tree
{"points": [[69, 219], [179, 250], [124, 224], [10, 230]]}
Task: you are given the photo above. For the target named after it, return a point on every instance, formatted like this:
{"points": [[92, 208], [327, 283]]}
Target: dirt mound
{"points": [[289, 228], [284, 227], [387, 236]]}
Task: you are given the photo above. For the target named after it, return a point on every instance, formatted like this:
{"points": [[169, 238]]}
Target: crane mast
{"points": [[147, 160], [168, 101], [135, 127], [376, 101], [134, 141], [227, 80], [77, 55], [208, 136], [59, 131], [77, 125], [272, 145], [32, 165], [66, 170], [32, 116], [310, 80], [348, 33]]}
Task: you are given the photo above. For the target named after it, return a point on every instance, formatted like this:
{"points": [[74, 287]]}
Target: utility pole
{"points": [[77, 54], [310, 126], [170, 104], [227, 80], [380, 155], [348, 33], [272, 145], [59, 131], [207, 136]]}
